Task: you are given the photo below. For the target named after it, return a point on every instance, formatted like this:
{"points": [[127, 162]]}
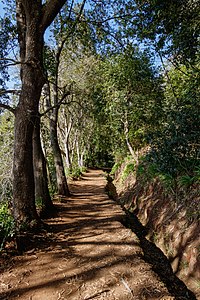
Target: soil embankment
{"points": [[170, 220], [88, 254]]}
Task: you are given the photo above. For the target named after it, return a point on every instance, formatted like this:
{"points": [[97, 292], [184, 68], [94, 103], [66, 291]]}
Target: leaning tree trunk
{"points": [[40, 174], [126, 132], [67, 155], [62, 186], [68, 128]]}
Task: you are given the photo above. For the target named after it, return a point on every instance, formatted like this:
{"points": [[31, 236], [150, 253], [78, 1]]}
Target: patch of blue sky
{"points": [[13, 69], [2, 11]]}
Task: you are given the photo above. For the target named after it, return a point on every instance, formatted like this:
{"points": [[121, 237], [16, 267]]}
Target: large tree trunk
{"points": [[24, 209], [32, 20], [31, 44], [40, 174]]}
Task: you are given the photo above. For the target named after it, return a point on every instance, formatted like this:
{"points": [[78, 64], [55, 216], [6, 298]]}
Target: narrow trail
{"points": [[87, 255]]}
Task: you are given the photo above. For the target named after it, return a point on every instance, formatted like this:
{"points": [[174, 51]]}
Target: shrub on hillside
{"points": [[7, 226]]}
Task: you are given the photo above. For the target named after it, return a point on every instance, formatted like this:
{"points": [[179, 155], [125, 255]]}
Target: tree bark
{"points": [[126, 131], [58, 161], [68, 128], [62, 187], [40, 174], [82, 157], [32, 20], [24, 209], [65, 127], [23, 177]]}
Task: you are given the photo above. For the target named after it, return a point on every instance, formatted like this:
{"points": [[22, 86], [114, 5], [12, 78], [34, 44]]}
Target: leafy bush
{"points": [[83, 169], [39, 203], [5, 187], [76, 173], [186, 181], [129, 168], [175, 144], [148, 171], [115, 168], [7, 225], [176, 148]]}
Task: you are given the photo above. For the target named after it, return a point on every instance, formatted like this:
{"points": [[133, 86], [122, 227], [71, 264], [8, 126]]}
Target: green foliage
{"points": [[167, 181], [39, 203], [131, 99], [83, 169], [187, 181], [129, 168], [147, 172], [75, 173], [197, 174], [140, 170], [115, 168], [6, 154], [152, 171], [7, 225], [173, 26], [175, 145]]}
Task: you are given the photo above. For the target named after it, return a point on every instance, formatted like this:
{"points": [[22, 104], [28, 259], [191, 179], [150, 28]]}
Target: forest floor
{"points": [[87, 254]]}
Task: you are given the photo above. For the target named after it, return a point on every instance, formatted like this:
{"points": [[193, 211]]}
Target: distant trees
{"points": [[132, 99], [175, 146], [75, 124]]}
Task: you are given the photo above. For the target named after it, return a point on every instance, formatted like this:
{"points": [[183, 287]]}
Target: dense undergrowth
{"points": [[76, 172], [7, 225]]}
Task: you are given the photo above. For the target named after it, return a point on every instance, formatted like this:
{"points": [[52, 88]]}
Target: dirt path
{"points": [[88, 254]]}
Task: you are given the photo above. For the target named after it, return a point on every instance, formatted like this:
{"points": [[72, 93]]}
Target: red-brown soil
{"points": [[171, 220], [88, 254]]}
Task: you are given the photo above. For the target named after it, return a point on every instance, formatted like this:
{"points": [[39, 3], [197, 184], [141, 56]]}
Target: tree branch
{"points": [[111, 18], [14, 92], [10, 59], [50, 10], [57, 104], [71, 30], [8, 107]]}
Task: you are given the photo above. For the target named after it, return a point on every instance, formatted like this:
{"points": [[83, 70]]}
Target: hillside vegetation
{"points": [[170, 212]]}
